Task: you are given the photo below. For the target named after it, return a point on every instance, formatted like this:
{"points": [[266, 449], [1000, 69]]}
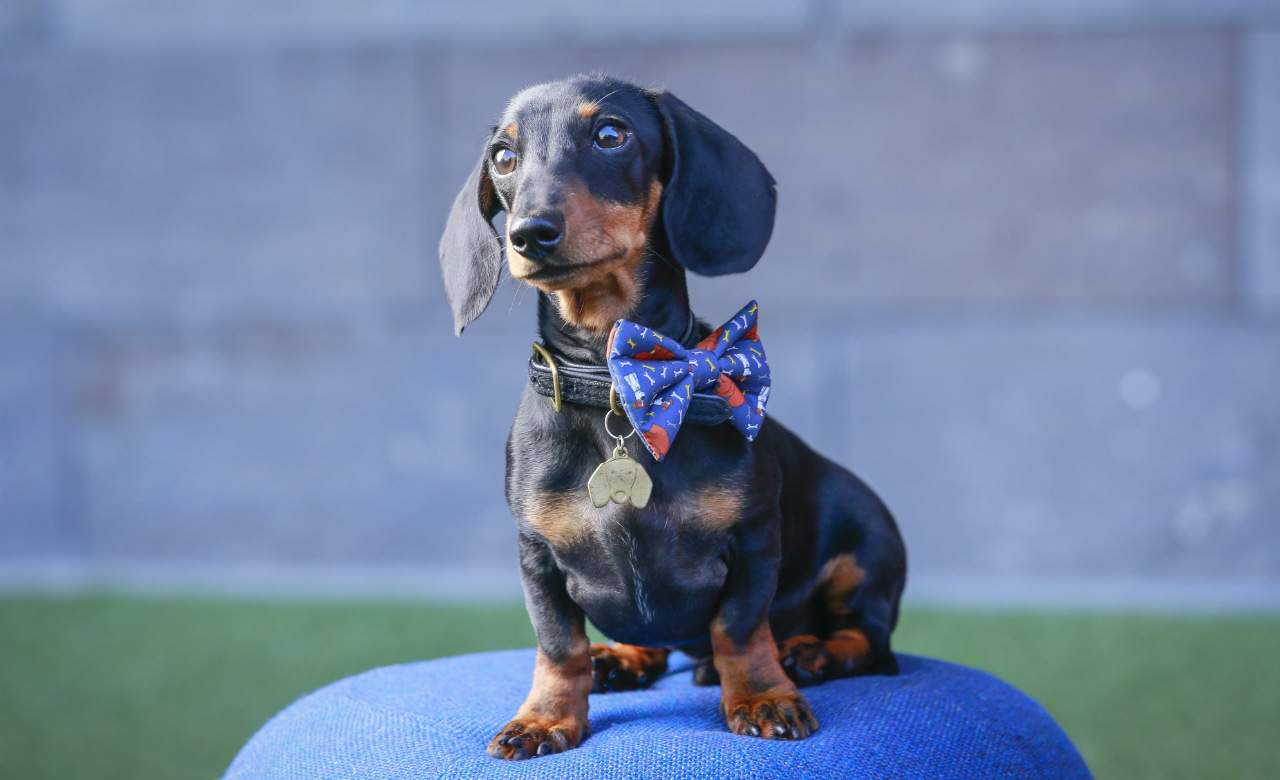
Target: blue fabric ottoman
{"points": [[434, 719]]}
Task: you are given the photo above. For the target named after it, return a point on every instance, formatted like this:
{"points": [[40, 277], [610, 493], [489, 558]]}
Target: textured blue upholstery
{"points": [[434, 719]]}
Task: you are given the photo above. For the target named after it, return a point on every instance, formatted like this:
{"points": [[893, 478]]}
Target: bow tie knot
{"points": [[656, 377]]}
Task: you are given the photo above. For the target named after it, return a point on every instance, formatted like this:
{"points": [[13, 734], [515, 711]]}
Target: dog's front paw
{"points": [[535, 735], [772, 715], [625, 667]]}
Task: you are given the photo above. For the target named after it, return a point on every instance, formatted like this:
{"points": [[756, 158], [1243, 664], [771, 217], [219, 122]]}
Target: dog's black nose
{"points": [[536, 236]]}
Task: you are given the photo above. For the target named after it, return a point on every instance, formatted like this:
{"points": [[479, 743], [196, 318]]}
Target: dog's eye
{"points": [[504, 161], [611, 135]]}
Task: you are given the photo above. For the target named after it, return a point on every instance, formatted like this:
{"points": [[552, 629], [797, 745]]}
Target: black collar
{"points": [[564, 381]]}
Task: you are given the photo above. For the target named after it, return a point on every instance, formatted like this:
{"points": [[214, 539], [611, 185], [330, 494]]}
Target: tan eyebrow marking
{"points": [[511, 129]]}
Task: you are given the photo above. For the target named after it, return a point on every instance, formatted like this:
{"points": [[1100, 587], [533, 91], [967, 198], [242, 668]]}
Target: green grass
{"points": [[110, 686]]}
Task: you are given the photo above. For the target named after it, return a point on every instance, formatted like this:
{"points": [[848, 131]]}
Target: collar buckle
{"points": [[542, 352]]}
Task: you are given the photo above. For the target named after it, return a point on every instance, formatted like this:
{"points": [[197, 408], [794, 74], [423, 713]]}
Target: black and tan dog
{"points": [[611, 193]]}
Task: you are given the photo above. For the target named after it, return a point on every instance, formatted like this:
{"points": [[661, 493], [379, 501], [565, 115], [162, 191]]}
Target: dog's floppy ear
{"points": [[470, 251], [719, 199]]}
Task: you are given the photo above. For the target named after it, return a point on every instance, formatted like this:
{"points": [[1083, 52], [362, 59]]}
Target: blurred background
{"points": [[1043, 241]]}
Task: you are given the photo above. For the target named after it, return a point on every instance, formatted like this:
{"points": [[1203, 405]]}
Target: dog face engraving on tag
{"points": [[620, 480]]}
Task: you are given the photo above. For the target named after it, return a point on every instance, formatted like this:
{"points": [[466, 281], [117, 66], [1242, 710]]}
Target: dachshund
{"points": [[773, 567]]}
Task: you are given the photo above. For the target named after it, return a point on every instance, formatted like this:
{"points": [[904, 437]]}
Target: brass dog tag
{"points": [[620, 479]]}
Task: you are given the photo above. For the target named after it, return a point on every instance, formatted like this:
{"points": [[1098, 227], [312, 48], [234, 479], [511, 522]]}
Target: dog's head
{"points": [[593, 173]]}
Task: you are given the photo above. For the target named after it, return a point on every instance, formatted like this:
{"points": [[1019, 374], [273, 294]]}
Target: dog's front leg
{"points": [[756, 696], [553, 717]]}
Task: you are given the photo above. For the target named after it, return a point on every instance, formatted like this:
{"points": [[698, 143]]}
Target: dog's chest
{"points": [[570, 484], [570, 518], [651, 576], [656, 571]]}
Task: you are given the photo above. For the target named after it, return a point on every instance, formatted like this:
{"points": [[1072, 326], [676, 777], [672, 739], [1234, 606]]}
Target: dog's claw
{"points": [[705, 673], [805, 676]]}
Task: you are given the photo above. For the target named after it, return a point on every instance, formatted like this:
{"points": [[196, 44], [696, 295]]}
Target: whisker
{"points": [[600, 100], [515, 298]]}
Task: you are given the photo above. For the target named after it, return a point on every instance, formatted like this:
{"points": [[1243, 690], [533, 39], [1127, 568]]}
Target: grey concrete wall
{"points": [[1045, 245]]}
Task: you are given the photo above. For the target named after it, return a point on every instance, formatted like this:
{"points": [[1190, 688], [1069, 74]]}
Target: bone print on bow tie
{"points": [[656, 377]]}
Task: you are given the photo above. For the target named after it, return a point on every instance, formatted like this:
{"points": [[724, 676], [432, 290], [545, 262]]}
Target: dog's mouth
{"points": [[553, 273], [563, 277]]}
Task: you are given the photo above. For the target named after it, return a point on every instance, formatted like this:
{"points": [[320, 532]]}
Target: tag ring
{"points": [[620, 439]]}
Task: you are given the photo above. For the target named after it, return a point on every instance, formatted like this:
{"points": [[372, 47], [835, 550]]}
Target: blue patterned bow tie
{"points": [[656, 377]]}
